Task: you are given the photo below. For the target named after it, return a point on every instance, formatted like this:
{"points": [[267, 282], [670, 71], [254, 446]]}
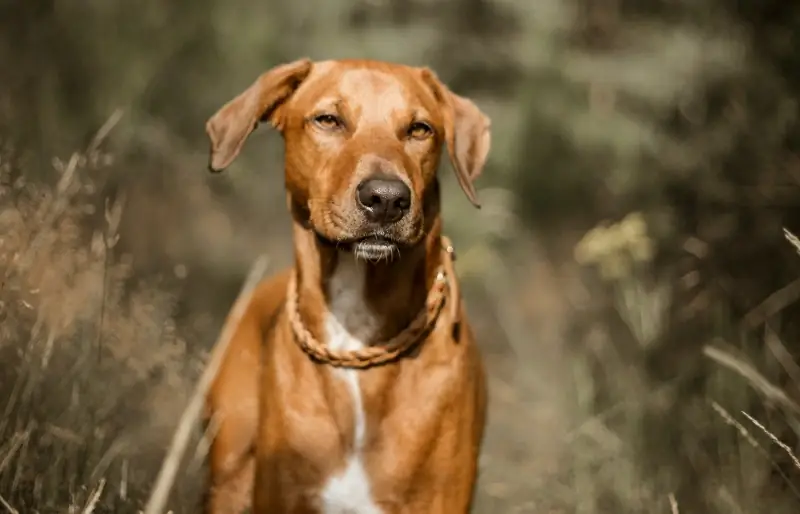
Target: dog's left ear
{"points": [[467, 134], [229, 127]]}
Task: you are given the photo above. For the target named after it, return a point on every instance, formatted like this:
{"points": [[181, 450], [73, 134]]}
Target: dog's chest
{"points": [[365, 434], [348, 324]]}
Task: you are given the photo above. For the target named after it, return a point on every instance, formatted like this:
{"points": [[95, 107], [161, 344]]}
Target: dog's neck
{"points": [[358, 302]]}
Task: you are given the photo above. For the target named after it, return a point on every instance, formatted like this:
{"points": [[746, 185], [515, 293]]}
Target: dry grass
{"points": [[604, 398], [87, 350], [192, 414], [99, 369]]}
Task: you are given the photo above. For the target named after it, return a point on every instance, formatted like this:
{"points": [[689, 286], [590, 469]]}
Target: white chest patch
{"points": [[348, 324]]}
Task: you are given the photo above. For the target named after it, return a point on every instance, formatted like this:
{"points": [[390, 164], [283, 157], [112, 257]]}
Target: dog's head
{"points": [[363, 142]]}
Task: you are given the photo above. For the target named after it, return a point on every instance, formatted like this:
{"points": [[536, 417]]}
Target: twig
{"points": [[9, 508], [793, 239], [781, 354], [123, 482], [204, 445], [92, 503], [17, 440], [103, 132], [784, 446], [190, 416], [110, 237], [747, 436], [773, 304], [730, 420], [673, 503], [756, 379]]}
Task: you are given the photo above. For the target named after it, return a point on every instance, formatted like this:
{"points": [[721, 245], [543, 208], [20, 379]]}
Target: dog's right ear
{"points": [[229, 127]]}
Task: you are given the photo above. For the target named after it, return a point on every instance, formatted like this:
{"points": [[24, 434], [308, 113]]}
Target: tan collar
{"points": [[398, 345]]}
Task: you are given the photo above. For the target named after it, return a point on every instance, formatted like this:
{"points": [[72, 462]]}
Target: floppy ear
{"points": [[229, 127], [467, 134]]}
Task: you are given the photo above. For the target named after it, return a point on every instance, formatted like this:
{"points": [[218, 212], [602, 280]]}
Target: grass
{"points": [[98, 364], [93, 365], [604, 398]]}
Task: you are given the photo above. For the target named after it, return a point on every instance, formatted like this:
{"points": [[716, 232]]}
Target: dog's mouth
{"points": [[372, 248], [375, 249]]}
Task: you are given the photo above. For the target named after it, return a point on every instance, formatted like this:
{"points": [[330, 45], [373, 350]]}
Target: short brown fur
{"points": [[285, 421]]}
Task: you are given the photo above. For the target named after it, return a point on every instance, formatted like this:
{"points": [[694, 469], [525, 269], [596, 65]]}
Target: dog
{"points": [[353, 383]]}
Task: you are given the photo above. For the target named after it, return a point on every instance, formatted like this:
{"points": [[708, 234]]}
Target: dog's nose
{"points": [[384, 200]]}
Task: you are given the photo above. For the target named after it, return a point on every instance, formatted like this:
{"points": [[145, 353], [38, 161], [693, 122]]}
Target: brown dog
{"points": [[353, 384]]}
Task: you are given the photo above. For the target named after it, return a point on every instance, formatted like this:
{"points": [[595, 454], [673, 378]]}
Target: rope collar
{"points": [[398, 345]]}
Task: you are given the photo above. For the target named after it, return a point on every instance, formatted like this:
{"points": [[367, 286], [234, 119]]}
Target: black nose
{"points": [[384, 200]]}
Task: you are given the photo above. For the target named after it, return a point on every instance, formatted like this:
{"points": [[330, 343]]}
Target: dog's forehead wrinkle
{"points": [[377, 95]]}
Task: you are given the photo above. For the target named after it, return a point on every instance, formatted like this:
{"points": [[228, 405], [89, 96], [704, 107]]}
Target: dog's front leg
{"points": [[234, 494]]}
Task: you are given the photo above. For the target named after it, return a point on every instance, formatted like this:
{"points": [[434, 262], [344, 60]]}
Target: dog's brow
{"points": [[420, 114], [328, 103]]}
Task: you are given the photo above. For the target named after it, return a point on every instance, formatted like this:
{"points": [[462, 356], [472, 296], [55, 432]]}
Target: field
{"points": [[633, 277]]}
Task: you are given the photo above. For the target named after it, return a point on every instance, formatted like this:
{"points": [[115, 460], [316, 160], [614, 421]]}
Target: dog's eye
{"points": [[328, 121], [419, 130]]}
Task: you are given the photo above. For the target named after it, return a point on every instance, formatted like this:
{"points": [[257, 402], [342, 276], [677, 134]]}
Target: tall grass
{"points": [[93, 365]]}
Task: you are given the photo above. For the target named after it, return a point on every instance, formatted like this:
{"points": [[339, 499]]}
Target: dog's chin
{"points": [[372, 248], [375, 249]]}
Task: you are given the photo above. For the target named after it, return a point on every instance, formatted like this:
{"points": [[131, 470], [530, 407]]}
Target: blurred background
{"points": [[633, 276]]}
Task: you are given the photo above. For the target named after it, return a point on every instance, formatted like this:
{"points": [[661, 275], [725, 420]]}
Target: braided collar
{"points": [[393, 348]]}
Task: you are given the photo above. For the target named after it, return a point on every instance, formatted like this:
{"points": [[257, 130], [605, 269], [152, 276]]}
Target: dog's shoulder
{"points": [[258, 315], [268, 299]]}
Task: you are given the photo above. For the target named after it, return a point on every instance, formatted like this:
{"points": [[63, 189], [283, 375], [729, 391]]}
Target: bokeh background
{"points": [[633, 276]]}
